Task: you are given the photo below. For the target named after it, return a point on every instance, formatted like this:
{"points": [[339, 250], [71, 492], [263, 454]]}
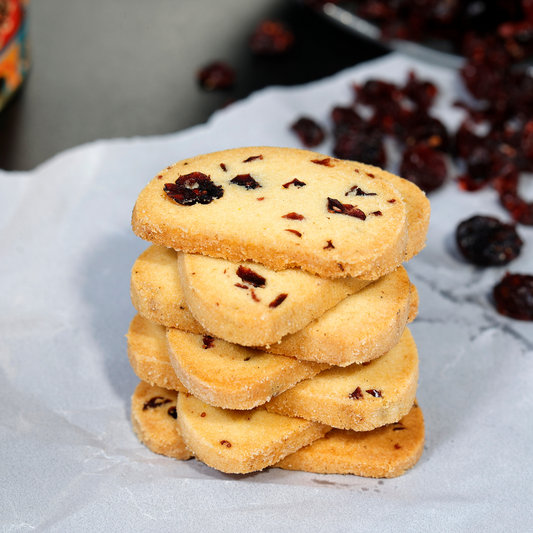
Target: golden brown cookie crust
{"points": [[257, 224]]}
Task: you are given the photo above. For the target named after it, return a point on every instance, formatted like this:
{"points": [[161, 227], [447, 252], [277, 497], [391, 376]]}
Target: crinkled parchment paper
{"points": [[69, 459]]}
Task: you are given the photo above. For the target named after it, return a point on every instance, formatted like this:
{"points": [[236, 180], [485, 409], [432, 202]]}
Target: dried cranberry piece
{"points": [[486, 241], [423, 128], [250, 276], [422, 93], [193, 188], [357, 394], [356, 191], [334, 206], [253, 158], [271, 38], [365, 146], [309, 132], [246, 181], [346, 120], [208, 342], [514, 296], [296, 182], [216, 75], [424, 166], [278, 300], [155, 402]]}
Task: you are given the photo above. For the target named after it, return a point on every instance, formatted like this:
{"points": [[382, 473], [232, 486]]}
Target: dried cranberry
{"points": [[310, 133], [422, 93], [424, 166], [246, 181], [251, 276], [155, 402], [334, 206], [271, 38], [193, 188], [364, 146], [485, 241], [217, 75], [514, 296]]}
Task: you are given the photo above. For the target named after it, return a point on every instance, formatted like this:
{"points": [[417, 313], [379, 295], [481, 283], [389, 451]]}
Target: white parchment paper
{"points": [[69, 460]]}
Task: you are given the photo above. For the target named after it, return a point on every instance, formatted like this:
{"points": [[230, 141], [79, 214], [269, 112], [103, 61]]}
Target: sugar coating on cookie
{"points": [[358, 397], [232, 376], [280, 207], [153, 417], [239, 442], [385, 452], [251, 305]]}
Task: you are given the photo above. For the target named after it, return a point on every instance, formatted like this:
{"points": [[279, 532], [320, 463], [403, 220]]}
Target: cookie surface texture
{"points": [[156, 292], [231, 376], [360, 328], [358, 397], [384, 452], [239, 442], [251, 305], [153, 417], [280, 207], [148, 354]]}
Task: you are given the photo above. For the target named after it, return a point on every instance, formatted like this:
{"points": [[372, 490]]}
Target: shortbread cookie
{"points": [[239, 442], [153, 416], [358, 329], [231, 376], [280, 207], [385, 452], [370, 330], [156, 291], [249, 304], [148, 354], [239, 302], [358, 397]]}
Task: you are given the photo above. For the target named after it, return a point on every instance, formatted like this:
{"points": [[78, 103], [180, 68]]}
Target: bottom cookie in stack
{"points": [[388, 451]]}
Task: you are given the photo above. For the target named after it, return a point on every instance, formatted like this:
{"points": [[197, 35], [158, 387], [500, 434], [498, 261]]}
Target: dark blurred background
{"points": [[106, 69]]}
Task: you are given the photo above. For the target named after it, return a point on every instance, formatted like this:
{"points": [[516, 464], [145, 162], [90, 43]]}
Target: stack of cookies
{"points": [[272, 311]]}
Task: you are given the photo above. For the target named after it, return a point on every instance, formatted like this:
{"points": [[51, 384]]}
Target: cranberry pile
{"points": [[452, 21], [400, 112]]}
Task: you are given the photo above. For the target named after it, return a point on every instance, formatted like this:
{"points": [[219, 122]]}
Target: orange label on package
{"points": [[14, 50]]}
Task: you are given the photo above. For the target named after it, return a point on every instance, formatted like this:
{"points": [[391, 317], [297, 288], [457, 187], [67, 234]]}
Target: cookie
{"points": [[251, 305], [231, 376], [384, 452], [239, 442], [358, 329], [358, 397], [279, 207], [148, 354], [355, 332], [153, 417]]}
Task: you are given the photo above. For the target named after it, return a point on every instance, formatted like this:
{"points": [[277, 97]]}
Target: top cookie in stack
{"points": [[289, 251], [281, 207]]}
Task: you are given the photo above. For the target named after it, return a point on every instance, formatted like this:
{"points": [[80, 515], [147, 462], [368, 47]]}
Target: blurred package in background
{"points": [[14, 47]]}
